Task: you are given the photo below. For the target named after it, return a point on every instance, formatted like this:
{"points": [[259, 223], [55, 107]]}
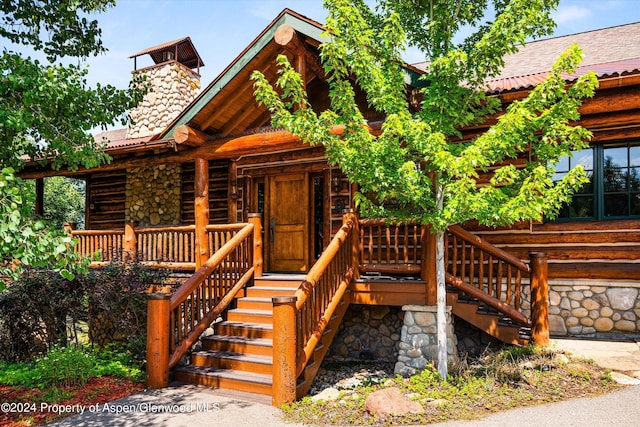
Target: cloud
{"points": [[570, 13]]}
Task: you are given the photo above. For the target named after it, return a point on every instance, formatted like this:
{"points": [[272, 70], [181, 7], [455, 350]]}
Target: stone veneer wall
{"points": [[368, 332], [585, 308], [153, 195], [173, 87], [419, 339]]}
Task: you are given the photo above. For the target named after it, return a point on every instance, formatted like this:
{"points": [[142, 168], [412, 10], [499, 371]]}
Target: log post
{"points": [[428, 264], [350, 214], [256, 220], [130, 243], [201, 209], [284, 350], [158, 307], [539, 298]]}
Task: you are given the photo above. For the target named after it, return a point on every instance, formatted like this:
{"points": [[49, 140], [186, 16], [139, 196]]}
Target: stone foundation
{"points": [[590, 309], [153, 195], [368, 332], [419, 339]]}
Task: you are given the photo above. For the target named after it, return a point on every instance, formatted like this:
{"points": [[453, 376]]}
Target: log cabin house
{"points": [[262, 224]]}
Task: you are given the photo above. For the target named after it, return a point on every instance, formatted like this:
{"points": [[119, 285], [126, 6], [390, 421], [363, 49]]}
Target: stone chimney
{"points": [[174, 82]]}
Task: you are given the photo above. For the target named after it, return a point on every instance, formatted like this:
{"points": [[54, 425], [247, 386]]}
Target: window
{"points": [[613, 191]]}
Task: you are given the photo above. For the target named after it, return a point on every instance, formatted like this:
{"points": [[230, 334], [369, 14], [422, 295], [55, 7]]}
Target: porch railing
{"points": [[107, 244], [390, 247], [300, 321], [473, 265], [176, 321]]}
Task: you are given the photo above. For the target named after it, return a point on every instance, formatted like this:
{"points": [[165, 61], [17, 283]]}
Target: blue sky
{"points": [[221, 29]]}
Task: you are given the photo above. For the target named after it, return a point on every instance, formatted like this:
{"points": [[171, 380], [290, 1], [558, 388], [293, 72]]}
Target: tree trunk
{"points": [[441, 292], [441, 303]]}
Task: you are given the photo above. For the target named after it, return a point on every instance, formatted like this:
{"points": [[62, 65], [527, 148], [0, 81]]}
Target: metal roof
{"points": [[184, 50], [605, 70]]}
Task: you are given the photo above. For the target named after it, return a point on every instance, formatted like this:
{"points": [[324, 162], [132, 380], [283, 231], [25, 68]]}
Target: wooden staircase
{"points": [[487, 319], [239, 356]]}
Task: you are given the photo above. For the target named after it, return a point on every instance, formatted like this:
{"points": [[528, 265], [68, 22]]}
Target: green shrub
{"points": [[35, 312], [118, 306], [42, 309], [68, 366]]}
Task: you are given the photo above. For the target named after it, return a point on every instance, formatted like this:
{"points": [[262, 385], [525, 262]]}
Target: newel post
{"points": [[130, 243], [284, 350], [539, 298], [350, 214], [158, 308], [256, 220]]}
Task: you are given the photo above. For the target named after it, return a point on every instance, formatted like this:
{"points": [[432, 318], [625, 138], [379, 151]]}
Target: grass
{"points": [[496, 381]]}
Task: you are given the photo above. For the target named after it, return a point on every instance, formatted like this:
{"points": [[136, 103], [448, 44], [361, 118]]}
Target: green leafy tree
{"points": [[415, 169], [47, 111], [63, 201]]}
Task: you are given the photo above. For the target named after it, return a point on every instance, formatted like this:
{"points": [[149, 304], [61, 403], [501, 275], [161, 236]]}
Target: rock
{"points": [[327, 395], [391, 401], [556, 325], [378, 312], [603, 324], [438, 403], [580, 312], [622, 298], [424, 319], [624, 379], [590, 304], [625, 326]]}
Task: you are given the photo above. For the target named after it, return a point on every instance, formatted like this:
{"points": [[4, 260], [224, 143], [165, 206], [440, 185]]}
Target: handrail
{"points": [[198, 302], [489, 300], [96, 232], [488, 247], [336, 260], [487, 273]]}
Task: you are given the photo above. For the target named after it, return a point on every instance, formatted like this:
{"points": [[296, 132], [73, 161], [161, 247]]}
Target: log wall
{"points": [[218, 192], [106, 200], [577, 250]]}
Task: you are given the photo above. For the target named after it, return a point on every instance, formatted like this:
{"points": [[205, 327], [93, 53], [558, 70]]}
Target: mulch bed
{"points": [[33, 406]]}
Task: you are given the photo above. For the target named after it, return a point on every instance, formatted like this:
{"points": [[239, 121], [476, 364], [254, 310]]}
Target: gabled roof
{"points": [[222, 102]]}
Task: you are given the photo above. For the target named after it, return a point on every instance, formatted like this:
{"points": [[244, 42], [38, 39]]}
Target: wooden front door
{"points": [[287, 223]]}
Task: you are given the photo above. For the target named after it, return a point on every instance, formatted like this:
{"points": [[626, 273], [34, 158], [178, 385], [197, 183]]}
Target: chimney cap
{"points": [[183, 51]]}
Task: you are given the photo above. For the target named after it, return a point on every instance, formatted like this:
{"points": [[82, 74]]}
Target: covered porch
{"points": [[367, 262]]}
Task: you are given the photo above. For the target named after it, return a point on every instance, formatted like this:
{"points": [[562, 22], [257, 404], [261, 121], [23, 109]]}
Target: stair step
{"points": [[238, 344], [269, 291], [250, 316], [232, 360], [256, 303], [280, 280], [244, 329], [225, 378]]}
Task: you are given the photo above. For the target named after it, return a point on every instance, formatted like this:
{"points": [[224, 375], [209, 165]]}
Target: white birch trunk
{"points": [[441, 293], [441, 304]]}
